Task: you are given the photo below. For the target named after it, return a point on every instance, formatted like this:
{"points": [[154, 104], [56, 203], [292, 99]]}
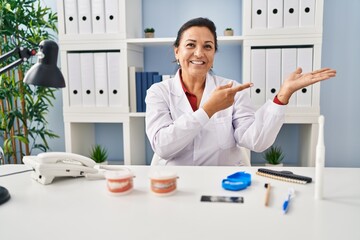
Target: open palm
{"points": [[298, 80]]}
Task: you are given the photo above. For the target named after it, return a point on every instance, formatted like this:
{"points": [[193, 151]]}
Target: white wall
{"points": [[340, 97]]}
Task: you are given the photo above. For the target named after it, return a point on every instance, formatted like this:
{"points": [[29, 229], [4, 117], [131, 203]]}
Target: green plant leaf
{"points": [[98, 153], [274, 155], [24, 23]]}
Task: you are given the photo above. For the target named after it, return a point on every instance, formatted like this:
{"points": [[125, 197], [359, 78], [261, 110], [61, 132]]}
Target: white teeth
{"points": [[197, 62], [118, 185]]}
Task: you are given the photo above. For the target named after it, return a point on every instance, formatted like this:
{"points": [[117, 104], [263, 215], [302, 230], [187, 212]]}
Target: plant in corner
{"points": [[98, 154], [149, 32], [274, 155], [228, 31], [23, 108]]}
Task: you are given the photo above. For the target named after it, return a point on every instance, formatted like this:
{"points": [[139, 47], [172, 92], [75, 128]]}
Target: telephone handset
{"points": [[49, 165], [70, 158]]}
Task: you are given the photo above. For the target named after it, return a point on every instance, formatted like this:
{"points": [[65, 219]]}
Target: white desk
{"points": [[76, 208]]}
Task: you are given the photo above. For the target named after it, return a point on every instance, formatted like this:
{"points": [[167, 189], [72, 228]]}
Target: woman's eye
{"points": [[190, 45], [208, 46]]}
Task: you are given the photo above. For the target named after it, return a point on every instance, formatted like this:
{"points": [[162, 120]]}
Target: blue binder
{"points": [[138, 85]]}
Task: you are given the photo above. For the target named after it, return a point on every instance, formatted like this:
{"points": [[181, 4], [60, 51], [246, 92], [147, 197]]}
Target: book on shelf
{"points": [[157, 78], [147, 82], [139, 82], [132, 87], [138, 91]]}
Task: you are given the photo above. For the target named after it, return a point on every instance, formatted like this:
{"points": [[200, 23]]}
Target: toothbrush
{"points": [[291, 194], [320, 161], [267, 196]]}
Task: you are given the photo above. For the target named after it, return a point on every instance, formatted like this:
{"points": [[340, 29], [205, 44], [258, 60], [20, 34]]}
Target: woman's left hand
{"points": [[298, 80]]}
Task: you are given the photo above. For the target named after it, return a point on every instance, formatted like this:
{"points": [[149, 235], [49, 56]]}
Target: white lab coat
{"points": [[184, 137]]}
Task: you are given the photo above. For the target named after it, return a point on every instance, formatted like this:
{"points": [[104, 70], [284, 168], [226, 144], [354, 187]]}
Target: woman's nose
{"points": [[198, 52]]}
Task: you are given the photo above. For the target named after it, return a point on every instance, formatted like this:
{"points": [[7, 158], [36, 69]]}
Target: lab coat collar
{"points": [[180, 99], [210, 85]]}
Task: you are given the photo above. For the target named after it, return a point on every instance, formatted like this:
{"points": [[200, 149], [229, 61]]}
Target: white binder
{"points": [[87, 79], [113, 69], [257, 92], [288, 65], [84, 16], [307, 13], [112, 16], [273, 72], [74, 77], [275, 13], [259, 14], [305, 61], [101, 80], [98, 16], [291, 13], [71, 17]]}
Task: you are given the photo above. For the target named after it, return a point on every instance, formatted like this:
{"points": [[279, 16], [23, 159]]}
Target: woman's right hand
{"points": [[223, 97]]}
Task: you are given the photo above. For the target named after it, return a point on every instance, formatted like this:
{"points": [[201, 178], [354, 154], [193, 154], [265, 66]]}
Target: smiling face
{"points": [[195, 52]]}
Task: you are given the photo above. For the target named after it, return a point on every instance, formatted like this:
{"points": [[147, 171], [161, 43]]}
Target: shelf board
{"points": [[137, 114], [151, 41], [171, 40], [230, 39], [82, 41]]}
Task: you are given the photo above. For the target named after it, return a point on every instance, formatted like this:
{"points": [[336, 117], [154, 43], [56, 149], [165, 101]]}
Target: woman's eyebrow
{"points": [[192, 40]]}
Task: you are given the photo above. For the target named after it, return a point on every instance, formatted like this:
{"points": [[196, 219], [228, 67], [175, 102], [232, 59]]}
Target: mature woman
{"points": [[197, 118]]}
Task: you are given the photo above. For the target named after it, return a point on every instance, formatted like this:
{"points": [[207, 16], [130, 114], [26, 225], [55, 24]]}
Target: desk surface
{"points": [[77, 208]]}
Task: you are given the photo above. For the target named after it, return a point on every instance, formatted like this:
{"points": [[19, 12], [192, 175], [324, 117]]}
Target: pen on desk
{"points": [[290, 194], [267, 196]]}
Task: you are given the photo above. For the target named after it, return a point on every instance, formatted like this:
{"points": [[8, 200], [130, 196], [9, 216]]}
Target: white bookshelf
{"points": [[80, 121], [307, 34], [128, 40]]}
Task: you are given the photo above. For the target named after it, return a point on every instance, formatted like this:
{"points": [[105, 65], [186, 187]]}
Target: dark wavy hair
{"points": [[197, 22]]}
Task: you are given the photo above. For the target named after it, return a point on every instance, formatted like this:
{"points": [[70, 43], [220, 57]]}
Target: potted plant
{"points": [[99, 154], [229, 32], [274, 156], [23, 108], [149, 32]]}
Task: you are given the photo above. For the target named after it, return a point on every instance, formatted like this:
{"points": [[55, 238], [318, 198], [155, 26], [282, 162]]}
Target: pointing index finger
{"points": [[242, 87]]}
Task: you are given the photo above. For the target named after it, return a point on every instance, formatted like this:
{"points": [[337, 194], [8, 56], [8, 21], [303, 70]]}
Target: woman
{"points": [[197, 118]]}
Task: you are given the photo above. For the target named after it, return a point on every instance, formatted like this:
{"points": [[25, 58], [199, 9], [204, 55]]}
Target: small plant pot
{"points": [[229, 33], [149, 35], [274, 165]]}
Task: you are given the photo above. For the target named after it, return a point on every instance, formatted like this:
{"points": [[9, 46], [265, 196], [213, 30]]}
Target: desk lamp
{"points": [[44, 73]]}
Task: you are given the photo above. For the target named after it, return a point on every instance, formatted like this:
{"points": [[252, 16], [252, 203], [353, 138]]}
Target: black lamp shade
{"points": [[45, 72]]}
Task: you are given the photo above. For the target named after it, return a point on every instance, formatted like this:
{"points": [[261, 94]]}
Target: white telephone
{"points": [[49, 165]]}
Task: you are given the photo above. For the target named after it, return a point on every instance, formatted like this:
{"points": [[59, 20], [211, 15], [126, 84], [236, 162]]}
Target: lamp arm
{"points": [[23, 54], [9, 54], [10, 66]]}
